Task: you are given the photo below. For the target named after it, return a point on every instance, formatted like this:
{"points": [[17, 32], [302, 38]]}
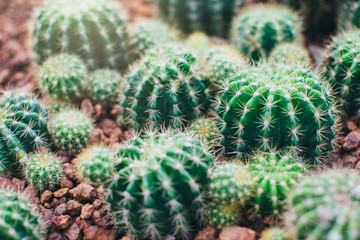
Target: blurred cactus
{"points": [[290, 53]]}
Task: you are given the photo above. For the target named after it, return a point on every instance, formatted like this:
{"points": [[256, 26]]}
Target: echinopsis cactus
{"points": [[43, 171], [95, 30], [166, 89], [159, 190], [206, 130], [95, 164], [277, 106], [259, 29], [18, 219], [23, 127], [325, 206], [71, 130], [290, 53], [63, 77]]}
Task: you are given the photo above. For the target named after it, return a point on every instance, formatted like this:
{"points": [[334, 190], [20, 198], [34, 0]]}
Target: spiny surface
{"points": [[290, 53], [206, 130]]}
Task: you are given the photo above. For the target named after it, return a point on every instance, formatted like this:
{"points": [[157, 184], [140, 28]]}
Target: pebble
{"points": [[237, 233]]}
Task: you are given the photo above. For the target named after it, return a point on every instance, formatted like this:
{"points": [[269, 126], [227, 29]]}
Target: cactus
{"points": [[277, 106], [95, 164], [63, 77], [71, 130], [222, 215], [341, 68], [23, 127], [44, 171], [206, 130], [274, 233], [259, 29], [18, 219], [276, 174], [199, 43], [290, 53], [325, 206], [159, 190], [350, 14], [94, 30], [165, 89], [56, 105]]}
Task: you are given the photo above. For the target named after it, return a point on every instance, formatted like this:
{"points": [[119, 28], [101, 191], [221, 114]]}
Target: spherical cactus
{"points": [[199, 43], [259, 29], [206, 130], [276, 174], [63, 77], [166, 89], [274, 233], [290, 53], [277, 106], [326, 206], [95, 165], [105, 87], [71, 130], [23, 127], [342, 67], [43, 171], [94, 30], [159, 190], [18, 219], [223, 214]]}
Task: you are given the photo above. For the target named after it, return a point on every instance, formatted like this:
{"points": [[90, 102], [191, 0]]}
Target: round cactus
{"points": [[277, 106], [44, 171], [206, 130], [159, 190], [290, 53], [18, 219], [94, 30], [165, 89], [259, 29], [198, 42], [63, 77], [71, 130], [326, 206], [274, 233], [223, 214], [23, 127], [95, 165]]}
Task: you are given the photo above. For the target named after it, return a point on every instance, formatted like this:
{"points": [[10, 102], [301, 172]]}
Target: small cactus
{"points": [[63, 77], [290, 53], [275, 233], [43, 171], [71, 130], [222, 215], [206, 130]]}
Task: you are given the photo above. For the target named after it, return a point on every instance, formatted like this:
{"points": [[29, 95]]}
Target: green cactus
{"points": [[18, 218], [159, 190], [63, 77], [223, 214], [23, 127], [165, 88], [55, 105], [198, 43], [95, 30], [71, 130], [43, 171], [350, 14], [276, 106], [290, 53], [259, 29], [326, 206], [274, 233], [95, 164], [206, 130]]}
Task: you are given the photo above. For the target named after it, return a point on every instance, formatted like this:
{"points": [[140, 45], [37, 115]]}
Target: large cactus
{"points": [[159, 190]]}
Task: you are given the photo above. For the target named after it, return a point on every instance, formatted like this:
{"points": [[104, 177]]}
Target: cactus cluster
{"points": [[290, 53], [277, 106], [160, 185], [166, 89], [95, 30]]}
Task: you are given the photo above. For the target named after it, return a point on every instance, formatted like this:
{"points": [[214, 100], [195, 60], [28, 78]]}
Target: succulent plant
{"points": [[325, 206], [290, 53], [275, 233], [95, 30], [165, 88], [18, 219], [43, 171], [223, 214], [71, 130], [159, 190], [63, 77], [277, 106], [206, 130], [259, 29], [95, 164], [23, 127], [199, 43]]}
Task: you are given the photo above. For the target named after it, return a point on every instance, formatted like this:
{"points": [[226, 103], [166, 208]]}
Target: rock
{"points": [[95, 233], [35, 200], [6, 183], [47, 212], [98, 203], [69, 171], [73, 208], [83, 192], [101, 219], [54, 203], [73, 232], [87, 107], [61, 222], [90, 233], [99, 111], [31, 192], [126, 238], [107, 125], [61, 192], [87, 211], [18, 184], [352, 140], [208, 233], [351, 160], [83, 224], [56, 236], [237, 233], [351, 125], [46, 196], [62, 200], [47, 205], [61, 209], [66, 183]]}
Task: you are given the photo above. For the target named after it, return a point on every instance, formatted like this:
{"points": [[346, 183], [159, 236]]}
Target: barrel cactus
{"points": [[259, 29], [95, 30], [159, 189], [277, 106], [290, 53], [165, 88]]}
